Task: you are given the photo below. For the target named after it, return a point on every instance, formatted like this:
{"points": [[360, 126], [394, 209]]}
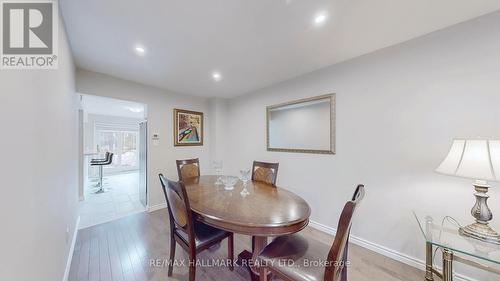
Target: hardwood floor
{"points": [[135, 248]]}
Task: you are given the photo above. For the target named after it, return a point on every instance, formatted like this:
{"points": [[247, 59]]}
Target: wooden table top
{"points": [[266, 211]]}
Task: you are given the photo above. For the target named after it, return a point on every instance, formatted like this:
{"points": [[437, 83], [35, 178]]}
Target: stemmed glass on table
{"points": [[218, 171], [244, 177]]}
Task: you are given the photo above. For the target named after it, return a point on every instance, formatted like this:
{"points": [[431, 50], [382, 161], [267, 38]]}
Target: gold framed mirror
{"points": [[302, 126]]}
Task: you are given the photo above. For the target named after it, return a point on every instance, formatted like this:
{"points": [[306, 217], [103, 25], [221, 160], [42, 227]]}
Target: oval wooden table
{"points": [[265, 212]]}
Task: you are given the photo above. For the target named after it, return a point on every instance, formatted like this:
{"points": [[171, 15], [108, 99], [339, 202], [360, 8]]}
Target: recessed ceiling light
{"points": [[140, 50], [216, 76], [320, 18]]}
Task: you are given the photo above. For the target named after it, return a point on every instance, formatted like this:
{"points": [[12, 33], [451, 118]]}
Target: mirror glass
{"points": [[305, 125]]}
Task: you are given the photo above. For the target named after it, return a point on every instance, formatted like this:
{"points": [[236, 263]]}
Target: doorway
{"points": [[113, 159]]}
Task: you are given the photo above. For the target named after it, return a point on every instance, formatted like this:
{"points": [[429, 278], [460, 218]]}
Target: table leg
{"points": [[428, 262], [260, 244], [447, 265], [248, 259]]}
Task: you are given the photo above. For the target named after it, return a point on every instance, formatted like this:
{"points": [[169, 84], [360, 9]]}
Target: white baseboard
{"points": [[156, 207], [395, 255], [71, 250]]}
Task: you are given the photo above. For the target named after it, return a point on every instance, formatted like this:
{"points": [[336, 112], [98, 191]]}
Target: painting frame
{"points": [[333, 111], [180, 116]]}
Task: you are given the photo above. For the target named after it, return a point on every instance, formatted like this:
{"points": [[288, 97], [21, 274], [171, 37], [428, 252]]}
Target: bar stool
{"points": [[107, 160]]}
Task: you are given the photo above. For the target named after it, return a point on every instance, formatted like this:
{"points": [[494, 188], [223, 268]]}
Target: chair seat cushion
{"points": [[204, 234], [296, 257]]}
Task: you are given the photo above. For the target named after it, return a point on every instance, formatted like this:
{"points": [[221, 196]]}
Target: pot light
{"points": [[216, 76], [140, 50], [320, 18]]}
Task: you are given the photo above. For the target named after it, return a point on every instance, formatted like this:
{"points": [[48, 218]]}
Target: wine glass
{"points": [[245, 177], [218, 170]]}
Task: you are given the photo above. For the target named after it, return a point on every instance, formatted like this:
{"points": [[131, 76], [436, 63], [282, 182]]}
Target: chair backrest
{"points": [[106, 155], [265, 172], [188, 168], [109, 158], [179, 211], [337, 257]]}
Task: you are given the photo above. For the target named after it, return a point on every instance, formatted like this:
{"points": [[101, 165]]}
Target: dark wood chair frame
{"points": [[181, 163], [267, 165], [190, 246], [339, 249], [274, 166]]}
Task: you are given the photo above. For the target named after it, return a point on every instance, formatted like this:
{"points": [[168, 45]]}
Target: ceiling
{"points": [[112, 107], [252, 44]]}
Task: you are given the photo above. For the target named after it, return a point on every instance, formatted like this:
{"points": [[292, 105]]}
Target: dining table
{"points": [[264, 211]]}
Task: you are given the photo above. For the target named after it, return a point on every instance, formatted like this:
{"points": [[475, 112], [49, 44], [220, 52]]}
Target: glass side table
{"points": [[442, 233]]}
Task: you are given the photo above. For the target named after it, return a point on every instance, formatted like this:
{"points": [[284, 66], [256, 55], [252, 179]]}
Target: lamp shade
{"points": [[474, 158]]}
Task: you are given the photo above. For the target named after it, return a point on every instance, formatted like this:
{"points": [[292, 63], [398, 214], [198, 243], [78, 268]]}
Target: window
{"points": [[122, 141]]}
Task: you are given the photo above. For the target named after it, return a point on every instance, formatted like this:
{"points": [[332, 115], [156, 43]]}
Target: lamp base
{"points": [[482, 232]]}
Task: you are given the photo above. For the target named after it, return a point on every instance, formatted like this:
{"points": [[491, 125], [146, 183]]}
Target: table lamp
{"points": [[476, 159]]}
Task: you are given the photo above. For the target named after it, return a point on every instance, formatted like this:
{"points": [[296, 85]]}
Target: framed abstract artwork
{"points": [[188, 128]]}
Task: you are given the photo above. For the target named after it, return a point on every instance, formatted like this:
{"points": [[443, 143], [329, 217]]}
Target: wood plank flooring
{"points": [[136, 248]]}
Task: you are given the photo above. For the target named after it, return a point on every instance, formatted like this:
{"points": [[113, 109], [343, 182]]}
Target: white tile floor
{"points": [[121, 199]]}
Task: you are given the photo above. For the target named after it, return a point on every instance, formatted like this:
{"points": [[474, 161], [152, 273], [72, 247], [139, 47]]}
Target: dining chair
{"points": [[192, 235], [265, 172], [188, 168], [277, 257]]}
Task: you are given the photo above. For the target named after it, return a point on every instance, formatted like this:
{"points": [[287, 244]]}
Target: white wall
{"points": [[160, 105], [38, 169], [397, 112], [218, 126]]}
